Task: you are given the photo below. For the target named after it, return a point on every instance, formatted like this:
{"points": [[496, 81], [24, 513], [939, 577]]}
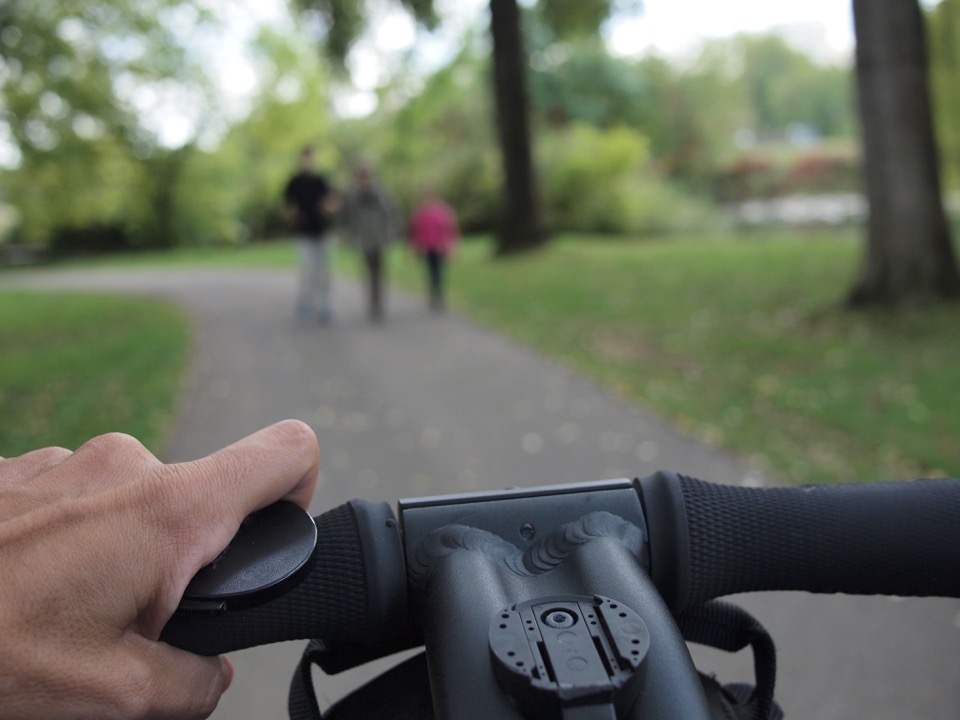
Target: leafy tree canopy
{"points": [[342, 22], [582, 18], [83, 84], [944, 45], [79, 68]]}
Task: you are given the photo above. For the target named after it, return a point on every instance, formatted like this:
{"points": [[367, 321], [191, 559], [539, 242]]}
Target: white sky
{"points": [[670, 27], [674, 26]]}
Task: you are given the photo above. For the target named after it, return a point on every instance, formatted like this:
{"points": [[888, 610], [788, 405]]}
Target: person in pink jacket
{"points": [[433, 235]]}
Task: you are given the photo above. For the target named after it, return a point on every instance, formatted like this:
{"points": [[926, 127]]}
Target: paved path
{"points": [[424, 405]]}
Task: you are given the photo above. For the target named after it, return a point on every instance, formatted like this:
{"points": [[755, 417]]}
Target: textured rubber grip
{"points": [[896, 538], [335, 601]]}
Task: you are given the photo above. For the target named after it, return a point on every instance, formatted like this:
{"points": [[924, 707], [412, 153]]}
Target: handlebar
{"points": [[890, 538], [372, 584], [353, 592]]}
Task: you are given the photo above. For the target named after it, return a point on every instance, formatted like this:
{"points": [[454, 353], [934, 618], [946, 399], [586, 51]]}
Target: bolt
{"points": [[559, 619]]}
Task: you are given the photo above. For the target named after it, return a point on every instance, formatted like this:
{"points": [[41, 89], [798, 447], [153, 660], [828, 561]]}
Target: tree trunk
{"points": [[165, 170], [521, 223], [909, 254]]}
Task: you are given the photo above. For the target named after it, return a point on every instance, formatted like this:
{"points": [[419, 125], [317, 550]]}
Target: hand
{"points": [[291, 216], [331, 204], [96, 549]]}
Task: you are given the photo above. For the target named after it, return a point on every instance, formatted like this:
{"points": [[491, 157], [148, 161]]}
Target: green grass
{"points": [[77, 365], [743, 344], [265, 254]]}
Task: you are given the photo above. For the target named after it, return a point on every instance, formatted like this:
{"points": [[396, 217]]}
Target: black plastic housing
{"points": [[591, 540]]}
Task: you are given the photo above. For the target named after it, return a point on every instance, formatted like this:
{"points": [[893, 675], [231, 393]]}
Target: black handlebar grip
{"points": [[353, 593], [896, 538]]}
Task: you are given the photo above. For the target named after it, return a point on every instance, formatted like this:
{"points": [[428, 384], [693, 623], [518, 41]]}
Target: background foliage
{"points": [[944, 43], [639, 146]]}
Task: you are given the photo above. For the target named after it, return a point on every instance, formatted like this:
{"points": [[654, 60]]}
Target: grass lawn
{"points": [[743, 344], [77, 365]]}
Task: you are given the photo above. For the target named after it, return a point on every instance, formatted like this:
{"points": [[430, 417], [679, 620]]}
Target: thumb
{"points": [[181, 685]]}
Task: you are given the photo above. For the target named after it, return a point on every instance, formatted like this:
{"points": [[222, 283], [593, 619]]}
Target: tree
{"points": [[289, 111], [440, 111], [88, 167], [585, 83], [909, 254], [785, 86], [522, 225]]}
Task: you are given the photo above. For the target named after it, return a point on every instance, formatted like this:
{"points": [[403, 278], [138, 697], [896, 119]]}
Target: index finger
{"points": [[279, 462], [202, 503]]}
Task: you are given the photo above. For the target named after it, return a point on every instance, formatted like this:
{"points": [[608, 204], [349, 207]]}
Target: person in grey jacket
{"points": [[369, 225]]}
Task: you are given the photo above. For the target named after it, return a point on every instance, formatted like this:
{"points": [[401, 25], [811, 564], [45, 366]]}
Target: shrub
{"points": [[602, 181], [777, 172]]}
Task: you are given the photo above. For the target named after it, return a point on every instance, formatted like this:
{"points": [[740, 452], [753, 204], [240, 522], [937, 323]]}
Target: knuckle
{"points": [[53, 455], [109, 441], [116, 444], [45, 457]]}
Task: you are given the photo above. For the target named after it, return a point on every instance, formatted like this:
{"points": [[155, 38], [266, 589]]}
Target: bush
{"points": [[602, 181], [823, 173], [467, 176], [778, 173], [747, 178]]}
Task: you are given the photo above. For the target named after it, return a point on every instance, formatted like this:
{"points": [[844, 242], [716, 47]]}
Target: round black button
{"points": [[266, 557]]}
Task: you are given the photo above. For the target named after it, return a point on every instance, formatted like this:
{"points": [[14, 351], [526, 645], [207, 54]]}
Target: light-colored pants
{"points": [[314, 298]]}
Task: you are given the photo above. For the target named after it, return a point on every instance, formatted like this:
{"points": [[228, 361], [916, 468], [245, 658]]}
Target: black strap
{"points": [[401, 693], [302, 702], [727, 627]]}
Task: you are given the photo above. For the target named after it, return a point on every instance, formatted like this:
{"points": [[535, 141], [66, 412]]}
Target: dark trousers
{"points": [[373, 259], [435, 263]]}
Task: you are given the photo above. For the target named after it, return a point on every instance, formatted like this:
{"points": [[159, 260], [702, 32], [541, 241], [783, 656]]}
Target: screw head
{"points": [[559, 619]]}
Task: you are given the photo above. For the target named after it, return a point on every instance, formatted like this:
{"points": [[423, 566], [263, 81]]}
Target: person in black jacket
{"points": [[309, 203]]}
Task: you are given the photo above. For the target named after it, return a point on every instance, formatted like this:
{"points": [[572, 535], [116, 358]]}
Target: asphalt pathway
{"points": [[424, 404]]}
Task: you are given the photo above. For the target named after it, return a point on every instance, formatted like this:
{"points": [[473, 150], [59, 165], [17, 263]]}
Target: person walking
{"points": [[368, 222], [433, 235], [308, 204]]}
